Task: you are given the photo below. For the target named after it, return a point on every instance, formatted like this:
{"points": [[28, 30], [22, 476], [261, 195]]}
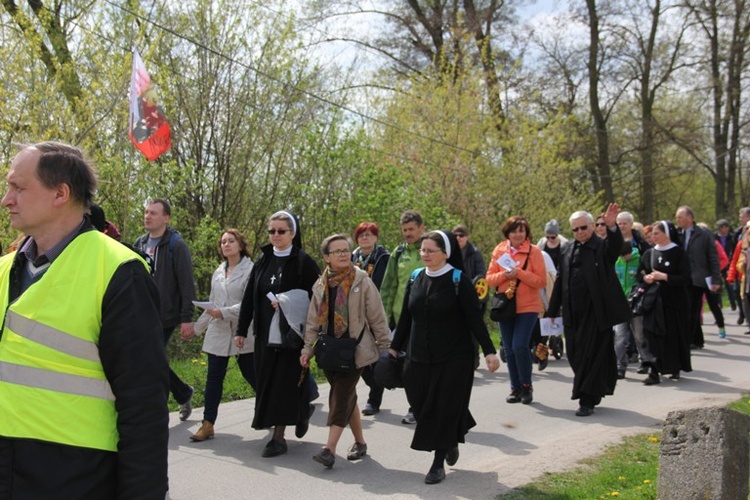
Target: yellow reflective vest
{"points": [[52, 383]]}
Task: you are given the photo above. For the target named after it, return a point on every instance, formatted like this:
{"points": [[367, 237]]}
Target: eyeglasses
{"points": [[579, 228], [279, 231], [459, 235], [600, 224], [427, 251], [362, 235], [552, 237], [339, 253]]}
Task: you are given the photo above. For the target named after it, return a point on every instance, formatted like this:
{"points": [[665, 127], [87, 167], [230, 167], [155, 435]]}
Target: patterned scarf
{"points": [[343, 281]]}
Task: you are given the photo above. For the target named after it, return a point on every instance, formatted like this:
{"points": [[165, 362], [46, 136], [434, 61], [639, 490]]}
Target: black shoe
{"points": [[301, 428], [740, 320], [652, 379], [584, 411], [370, 410], [527, 394], [642, 370], [452, 457], [514, 396], [543, 363], [694, 347], [620, 374], [274, 449], [734, 307], [325, 457], [747, 332], [675, 376], [435, 476]]}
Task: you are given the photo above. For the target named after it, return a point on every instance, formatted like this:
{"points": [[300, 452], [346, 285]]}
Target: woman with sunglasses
{"points": [[345, 302], [525, 278], [283, 393], [441, 314]]}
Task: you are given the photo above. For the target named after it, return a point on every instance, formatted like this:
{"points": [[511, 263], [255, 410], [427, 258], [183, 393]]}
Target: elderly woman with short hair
{"points": [[345, 302]]}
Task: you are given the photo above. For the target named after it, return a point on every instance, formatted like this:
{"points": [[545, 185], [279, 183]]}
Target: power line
{"points": [[289, 85]]}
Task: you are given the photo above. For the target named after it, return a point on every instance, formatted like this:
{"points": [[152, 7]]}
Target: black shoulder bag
{"points": [[503, 304], [336, 354]]}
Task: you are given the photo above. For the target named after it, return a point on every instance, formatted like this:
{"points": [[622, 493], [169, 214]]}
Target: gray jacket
{"points": [[704, 259], [173, 274]]}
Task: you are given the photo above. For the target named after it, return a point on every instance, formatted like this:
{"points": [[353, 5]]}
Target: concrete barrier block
{"points": [[705, 454]]}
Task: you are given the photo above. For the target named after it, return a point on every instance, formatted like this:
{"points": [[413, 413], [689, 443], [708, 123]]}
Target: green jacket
{"points": [[626, 269], [397, 274]]}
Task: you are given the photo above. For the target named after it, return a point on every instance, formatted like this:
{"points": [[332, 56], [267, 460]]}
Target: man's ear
{"points": [[62, 194]]}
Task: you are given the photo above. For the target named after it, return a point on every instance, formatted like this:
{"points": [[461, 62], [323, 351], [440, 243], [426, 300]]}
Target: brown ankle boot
{"points": [[205, 432]]}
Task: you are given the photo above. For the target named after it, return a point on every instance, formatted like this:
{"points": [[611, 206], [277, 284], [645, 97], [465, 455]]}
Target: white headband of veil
{"points": [[666, 229], [447, 243], [294, 222]]}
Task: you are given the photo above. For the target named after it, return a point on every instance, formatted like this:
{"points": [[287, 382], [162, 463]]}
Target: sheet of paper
{"points": [[506, 262], [549, 328], [272, 297], [708, 281], [204, 305]]}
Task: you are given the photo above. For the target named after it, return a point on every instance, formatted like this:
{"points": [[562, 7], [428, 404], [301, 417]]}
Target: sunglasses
{"points": [[579, 228], [459, 235], [279, 231], [552, 237], [600, 224]]}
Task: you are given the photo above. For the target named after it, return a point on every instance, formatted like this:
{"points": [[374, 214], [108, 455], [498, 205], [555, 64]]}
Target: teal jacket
{"points": [[626, 270], [400, 267]]}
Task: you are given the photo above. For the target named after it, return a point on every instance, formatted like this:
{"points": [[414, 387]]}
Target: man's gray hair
{"points": [[745, 211], [625, 216], [581, 213]]}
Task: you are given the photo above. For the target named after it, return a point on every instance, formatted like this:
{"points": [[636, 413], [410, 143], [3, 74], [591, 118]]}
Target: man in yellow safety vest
{"points": [[83, 374]]}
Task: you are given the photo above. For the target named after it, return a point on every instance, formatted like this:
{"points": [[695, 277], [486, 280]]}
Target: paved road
{"points": [[511, 445]]}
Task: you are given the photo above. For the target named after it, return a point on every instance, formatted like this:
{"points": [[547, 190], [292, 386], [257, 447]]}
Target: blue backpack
{"points": [[456, 277]]}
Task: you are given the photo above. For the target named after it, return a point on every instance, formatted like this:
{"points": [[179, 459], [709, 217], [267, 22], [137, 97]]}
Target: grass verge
{"points": [[626, 470]]}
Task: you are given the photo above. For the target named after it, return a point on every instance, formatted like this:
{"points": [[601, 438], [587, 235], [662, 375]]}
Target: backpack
{"points": [[417, 272]]}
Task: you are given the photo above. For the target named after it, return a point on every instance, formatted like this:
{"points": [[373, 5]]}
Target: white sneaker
{"points": [[409, 419]]}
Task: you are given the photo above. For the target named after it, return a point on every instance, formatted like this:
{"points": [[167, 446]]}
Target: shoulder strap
{"points": [[414, 274], [398, 252], [456, 279]]}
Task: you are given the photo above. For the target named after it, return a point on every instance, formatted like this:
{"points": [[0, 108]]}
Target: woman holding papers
{"points": [[517, 267], [666, 325], [282, 396], [219, 320], [441, 314], [345, 302]]}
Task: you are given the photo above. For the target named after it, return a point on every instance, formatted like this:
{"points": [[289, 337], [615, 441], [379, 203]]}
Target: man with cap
{"points": [[552, 242]]}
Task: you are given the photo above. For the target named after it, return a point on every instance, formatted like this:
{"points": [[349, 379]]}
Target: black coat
{"points": [[474, 262], [610, 304], [378, 261]]}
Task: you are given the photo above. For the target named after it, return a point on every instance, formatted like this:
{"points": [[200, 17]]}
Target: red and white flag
{"points": [[148, 128]]}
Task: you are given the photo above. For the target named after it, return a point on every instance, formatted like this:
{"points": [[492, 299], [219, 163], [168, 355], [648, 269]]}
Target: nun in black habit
{"points": [[441, 313], [283, 393], [667, 266]]}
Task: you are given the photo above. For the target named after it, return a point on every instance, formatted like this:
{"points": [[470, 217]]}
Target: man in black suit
{"points": [[699, 244]]}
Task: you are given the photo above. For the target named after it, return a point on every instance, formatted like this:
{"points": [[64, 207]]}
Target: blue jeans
{"points": [[516, 335], [217, 370]]}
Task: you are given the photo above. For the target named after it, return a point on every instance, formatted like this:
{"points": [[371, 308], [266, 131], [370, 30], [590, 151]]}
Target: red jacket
{"points": [[531, 280]]}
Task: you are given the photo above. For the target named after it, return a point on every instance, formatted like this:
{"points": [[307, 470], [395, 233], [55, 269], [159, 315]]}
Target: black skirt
{"points": [[439, 396]]}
